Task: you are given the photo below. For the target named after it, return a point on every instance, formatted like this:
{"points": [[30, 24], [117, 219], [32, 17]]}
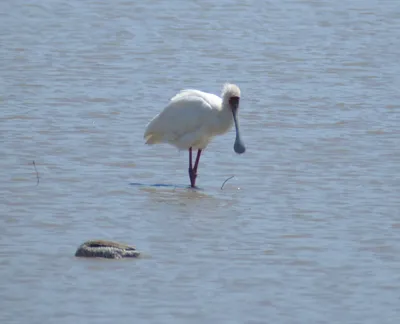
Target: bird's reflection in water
{"points": [[186, 207], [178, 194]]}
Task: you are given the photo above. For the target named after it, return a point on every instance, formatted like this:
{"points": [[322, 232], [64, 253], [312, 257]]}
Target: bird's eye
{"points": [[234, 101]]}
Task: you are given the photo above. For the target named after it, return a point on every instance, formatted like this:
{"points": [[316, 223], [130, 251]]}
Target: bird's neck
{"points": [[225, 119]]}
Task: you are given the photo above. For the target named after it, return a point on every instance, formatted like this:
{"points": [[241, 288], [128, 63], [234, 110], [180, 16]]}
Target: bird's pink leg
{"points": [[194, 173], [196, 164], [192, 179], [193, 170], [190, 158]]}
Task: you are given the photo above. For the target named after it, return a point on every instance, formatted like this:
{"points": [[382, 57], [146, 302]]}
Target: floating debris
{"points": [[106, 249]]}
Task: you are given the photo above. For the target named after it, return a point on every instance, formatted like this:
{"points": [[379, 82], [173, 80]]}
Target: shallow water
{"points": [[307, 230]]}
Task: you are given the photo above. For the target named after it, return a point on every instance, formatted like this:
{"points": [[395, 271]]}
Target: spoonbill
{"points": [[191, 120]]}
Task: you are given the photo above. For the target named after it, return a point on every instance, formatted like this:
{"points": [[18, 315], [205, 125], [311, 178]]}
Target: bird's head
{"points": [[231, 98]]}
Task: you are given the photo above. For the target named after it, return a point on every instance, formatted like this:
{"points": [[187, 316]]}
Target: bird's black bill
{"points": [[239, 146]]}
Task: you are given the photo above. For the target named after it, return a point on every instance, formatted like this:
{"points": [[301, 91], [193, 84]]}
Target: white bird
{"points": [[192, 118]]}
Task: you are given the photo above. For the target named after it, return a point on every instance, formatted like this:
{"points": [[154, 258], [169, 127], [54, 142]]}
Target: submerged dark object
{"points": [[106, 249]]}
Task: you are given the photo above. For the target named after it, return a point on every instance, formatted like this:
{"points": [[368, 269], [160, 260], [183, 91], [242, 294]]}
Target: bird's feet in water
{"points": [[192, 176]]}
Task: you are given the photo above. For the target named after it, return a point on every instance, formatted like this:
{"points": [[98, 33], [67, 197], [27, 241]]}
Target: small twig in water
{"points": [[37, 173], [226, 181]]}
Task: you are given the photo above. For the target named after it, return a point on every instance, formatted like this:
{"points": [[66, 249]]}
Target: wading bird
{"points": [[192, 118]]}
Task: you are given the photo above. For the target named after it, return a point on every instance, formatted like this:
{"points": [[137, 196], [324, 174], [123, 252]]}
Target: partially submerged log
{"points": [[106, 249]]}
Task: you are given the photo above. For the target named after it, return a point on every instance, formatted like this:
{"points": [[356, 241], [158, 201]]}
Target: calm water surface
{"points": [[306, 232]]}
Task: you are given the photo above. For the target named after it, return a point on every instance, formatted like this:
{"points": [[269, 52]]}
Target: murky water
{"points": [[306, 232]]}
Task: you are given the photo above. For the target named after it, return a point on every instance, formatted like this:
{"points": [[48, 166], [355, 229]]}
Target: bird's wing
{"points": [[212, 99], [186, 113]]}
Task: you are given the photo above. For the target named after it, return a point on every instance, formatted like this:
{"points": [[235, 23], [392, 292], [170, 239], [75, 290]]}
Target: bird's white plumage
{"points": [[192, 118]]}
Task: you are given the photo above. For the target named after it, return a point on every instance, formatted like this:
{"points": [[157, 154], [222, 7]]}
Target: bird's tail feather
{"points": [[150, 139]]}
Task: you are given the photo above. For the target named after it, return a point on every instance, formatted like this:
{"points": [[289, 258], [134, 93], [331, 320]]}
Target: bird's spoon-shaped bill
{"points": [[239, 146]]}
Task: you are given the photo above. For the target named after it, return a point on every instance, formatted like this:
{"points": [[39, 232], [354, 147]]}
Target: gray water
{"points": [[306, 232]]}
